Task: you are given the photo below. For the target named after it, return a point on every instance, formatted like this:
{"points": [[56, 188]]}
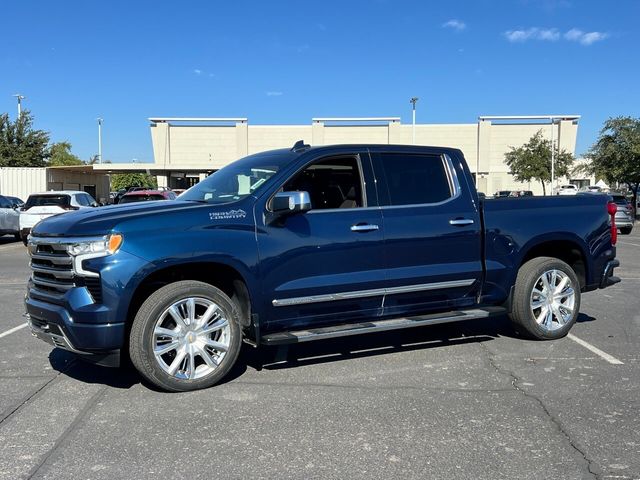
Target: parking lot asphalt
{"points": [[465, 400]]}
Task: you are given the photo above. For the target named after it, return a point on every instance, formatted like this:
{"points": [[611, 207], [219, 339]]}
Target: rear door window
{"points": [[415, 179], [62, 201], [4, 202]]}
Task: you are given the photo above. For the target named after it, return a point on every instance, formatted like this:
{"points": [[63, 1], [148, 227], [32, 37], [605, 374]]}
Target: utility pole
{"points": [[553, 155], [413, 102], [19, 97], [99, 140]]}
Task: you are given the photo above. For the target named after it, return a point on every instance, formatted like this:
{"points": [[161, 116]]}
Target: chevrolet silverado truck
{"points": [[305, 244]]}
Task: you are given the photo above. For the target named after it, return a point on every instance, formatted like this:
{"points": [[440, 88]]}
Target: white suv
{"points": [[42, 205], [566, 190]]}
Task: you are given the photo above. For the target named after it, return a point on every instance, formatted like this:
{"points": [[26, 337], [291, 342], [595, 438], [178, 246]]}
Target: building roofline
{"points": [[529, 117], [355, 119], [198, 119]]}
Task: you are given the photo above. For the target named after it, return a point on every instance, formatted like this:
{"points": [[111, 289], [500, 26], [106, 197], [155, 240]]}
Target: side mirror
{"points": [[15, 206], [286, 203], [95, 204]]}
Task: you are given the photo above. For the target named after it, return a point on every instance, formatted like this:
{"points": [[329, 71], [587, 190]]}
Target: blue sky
{"points": [[288, 61]]}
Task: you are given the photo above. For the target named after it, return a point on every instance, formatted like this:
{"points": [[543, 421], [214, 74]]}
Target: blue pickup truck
{"points": [[306, 244]]}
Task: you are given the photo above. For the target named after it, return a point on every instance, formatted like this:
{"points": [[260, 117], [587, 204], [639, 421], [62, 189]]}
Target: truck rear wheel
{"points": [[185, 336], [546, 299]]}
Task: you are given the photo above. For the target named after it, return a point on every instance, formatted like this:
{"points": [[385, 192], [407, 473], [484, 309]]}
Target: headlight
{"points": [[106, 246], [94, 248]]}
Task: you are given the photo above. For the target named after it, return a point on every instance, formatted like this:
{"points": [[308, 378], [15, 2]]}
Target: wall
{"points": [[66, 180], [22, 181]]}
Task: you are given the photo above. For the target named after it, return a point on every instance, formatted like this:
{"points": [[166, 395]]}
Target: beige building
{"points": [[186, 149], [23, 181]]}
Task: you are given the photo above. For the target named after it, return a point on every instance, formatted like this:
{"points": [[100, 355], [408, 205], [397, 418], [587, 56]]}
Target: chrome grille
{"points": [[53, 271], [52, 268]]}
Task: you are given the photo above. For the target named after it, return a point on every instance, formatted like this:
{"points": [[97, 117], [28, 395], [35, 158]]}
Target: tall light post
{"points": [[19, 97], [413, 102], [553, 154], [99, 140]]}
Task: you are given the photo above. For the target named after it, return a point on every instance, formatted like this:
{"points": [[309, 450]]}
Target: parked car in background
{"points": [[17, 201], [566, 190], [179, 191], [147, 195], [513, 193], [9, 217], [591, 189], [625, 218], [42, 205]]}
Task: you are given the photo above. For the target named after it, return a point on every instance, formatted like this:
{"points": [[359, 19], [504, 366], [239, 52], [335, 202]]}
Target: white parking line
{"points": [[629, 243], [609, 358], [11, 246], [12, 330]]}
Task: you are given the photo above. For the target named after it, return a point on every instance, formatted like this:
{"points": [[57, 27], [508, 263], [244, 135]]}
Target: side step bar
{"points": [[345, 330]]}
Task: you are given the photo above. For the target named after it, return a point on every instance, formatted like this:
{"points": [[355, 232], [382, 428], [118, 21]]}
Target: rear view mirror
{"points": [[291, 202]]}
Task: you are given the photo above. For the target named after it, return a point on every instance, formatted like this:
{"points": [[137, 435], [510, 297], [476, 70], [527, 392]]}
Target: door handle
{"points": [[459, 222], [364, 227]]}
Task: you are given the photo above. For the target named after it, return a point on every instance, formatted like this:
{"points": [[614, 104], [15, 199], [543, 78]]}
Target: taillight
{"points": [[612, 208]]}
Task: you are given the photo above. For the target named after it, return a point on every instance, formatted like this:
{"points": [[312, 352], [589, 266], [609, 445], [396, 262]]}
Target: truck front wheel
{"points": [[185, 336], [546, 299]]}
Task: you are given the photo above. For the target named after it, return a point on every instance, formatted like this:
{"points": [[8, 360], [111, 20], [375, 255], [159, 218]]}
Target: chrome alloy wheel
{"points": [[191, 338], [553, 300]]}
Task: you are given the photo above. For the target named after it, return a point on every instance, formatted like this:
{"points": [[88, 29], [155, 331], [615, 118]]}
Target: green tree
{"points": [[616, 154], [20, 144], [60, 154], [126, 180], [532, 161]]}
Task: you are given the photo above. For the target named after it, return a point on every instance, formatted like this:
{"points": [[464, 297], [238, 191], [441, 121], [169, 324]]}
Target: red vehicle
{"points": [[147, 195]]}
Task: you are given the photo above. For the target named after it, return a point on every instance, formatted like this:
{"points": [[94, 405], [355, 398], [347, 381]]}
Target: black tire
{"points": [[141, 338], [626, 230], [522, 314]]}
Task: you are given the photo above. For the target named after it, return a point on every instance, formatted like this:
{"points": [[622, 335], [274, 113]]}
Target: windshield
{"points": [[47, 200], [237, 180], [141, 198]]}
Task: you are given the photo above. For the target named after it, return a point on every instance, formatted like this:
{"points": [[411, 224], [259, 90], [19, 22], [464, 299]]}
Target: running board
{"points": [[345, 330]]}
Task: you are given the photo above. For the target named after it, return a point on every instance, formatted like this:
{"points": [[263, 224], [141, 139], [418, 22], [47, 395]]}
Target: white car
{"points": [[9, 217], [43, 205], [566, 190]]}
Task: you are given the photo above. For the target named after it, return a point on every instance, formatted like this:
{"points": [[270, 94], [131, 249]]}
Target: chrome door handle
{"points": [[364, 227], [461, 221]]}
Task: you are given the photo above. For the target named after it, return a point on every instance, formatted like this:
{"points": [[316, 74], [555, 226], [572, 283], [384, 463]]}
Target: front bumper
{"points": [[55, 335], [81, 305]]}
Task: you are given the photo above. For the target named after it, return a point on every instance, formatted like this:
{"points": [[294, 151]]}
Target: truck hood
{"points": [[101, 220]]}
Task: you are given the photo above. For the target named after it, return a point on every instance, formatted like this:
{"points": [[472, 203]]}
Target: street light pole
{"points": [[413, 102], [553, 154], [19, 97], [99, 140]]}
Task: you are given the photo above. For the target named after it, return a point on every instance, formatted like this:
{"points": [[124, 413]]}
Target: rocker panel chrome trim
{"points": [[331, 297]]}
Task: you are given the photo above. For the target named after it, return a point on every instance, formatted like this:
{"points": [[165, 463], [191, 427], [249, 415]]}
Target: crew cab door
{"points": [[324, 265], [432, 232]]}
